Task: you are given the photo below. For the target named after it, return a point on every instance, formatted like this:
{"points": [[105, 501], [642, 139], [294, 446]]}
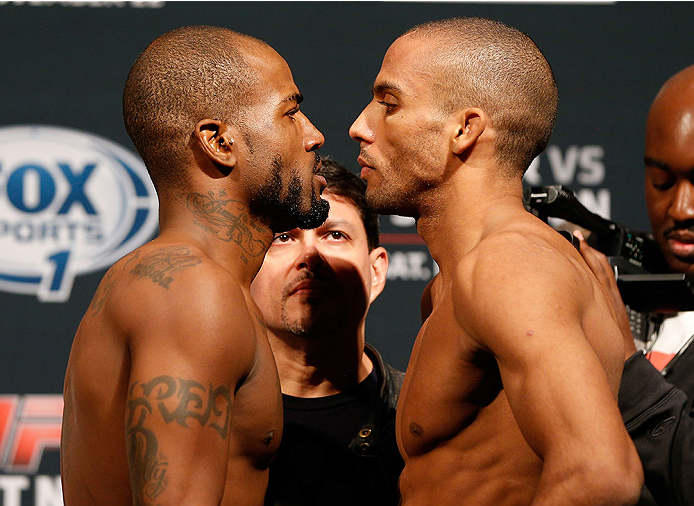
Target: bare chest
{"points": [[449, 380], [256, 426]]}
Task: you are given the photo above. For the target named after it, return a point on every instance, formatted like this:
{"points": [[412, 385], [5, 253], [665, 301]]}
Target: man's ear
{"points": [[379, 265], [470, 124], [216, 141]]}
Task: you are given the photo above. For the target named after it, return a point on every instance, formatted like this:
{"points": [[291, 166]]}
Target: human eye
{"points": [[335, 235], [281, 238], [293, 112], [661, 180], [389, 102], [390, 108], [664, 186]]}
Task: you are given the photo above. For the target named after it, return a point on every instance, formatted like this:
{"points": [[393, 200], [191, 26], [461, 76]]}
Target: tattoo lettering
{"points": [[147, 465], [135, 256], [161, 265], [213, 215], [180, 401]]}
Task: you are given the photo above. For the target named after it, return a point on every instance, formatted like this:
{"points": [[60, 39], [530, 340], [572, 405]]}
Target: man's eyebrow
{"points": [[337, 222], [652, 162], [384, 87], [295, 97]]}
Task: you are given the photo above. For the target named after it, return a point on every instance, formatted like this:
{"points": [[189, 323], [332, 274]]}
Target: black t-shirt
{"points": [[313, 466]]}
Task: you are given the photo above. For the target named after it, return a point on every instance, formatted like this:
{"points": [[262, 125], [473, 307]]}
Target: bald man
{"points": [[171, 393], [510, 394], [658, 385]]}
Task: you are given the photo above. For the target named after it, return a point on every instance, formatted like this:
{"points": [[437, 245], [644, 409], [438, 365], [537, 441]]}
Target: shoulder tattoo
{"points": [[162, 265], [102, 293]]}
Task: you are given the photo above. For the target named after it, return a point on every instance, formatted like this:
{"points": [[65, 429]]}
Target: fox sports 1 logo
{"points": [[71, 203]]}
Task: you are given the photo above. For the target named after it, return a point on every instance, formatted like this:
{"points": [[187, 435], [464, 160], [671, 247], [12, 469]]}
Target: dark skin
{"points": [[171, 393], [669, 161], [669, 189]]}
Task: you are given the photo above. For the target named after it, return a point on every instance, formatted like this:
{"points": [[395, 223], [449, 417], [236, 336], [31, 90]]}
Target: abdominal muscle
{"points": [[487, 463]]}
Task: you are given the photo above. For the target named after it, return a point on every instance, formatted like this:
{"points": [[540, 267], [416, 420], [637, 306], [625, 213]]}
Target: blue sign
{"points": [[71, 203]]}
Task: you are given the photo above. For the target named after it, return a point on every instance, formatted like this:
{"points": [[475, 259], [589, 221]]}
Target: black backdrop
{"points": [[64, 64]]}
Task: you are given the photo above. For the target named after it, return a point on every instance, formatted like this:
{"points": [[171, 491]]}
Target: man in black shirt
{"points": [[314, 290]]}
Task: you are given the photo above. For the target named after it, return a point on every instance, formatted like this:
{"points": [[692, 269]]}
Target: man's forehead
{"points": [[405, 66], [275, 79], [673, 121]]}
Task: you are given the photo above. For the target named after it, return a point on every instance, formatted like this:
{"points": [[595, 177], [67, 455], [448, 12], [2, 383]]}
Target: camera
{"points": [[643, 277]]}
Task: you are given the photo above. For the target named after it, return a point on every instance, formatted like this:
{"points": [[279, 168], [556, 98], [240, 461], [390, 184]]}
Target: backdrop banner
{"points": [[75, 196]]}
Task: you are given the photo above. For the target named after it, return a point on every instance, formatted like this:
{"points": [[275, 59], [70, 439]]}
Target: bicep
{"points": [[179, 406], [554, 381], [176, 428]]}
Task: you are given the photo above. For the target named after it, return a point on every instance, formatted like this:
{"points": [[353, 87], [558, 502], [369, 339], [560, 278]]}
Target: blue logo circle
{"points": [[71, 203]]}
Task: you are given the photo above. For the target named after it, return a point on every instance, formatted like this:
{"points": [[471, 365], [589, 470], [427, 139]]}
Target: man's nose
{"points": [[682, 207], [313, 138], [359, 130], [309, 256]]}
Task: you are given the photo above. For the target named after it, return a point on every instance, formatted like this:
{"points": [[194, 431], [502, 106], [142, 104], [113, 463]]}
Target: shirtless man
{"points": [[171, 394], [510, 393]]}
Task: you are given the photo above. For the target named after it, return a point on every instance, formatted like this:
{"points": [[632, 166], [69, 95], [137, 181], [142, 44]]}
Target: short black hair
{"points": [[177, 81], [346, 184], [484, 63]]}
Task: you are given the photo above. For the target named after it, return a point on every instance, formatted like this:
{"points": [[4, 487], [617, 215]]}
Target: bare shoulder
{"points": [[173, 295], [529, 271]]}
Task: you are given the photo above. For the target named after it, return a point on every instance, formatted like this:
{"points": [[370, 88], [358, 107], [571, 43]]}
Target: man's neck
{"points": [[467, 209], [307, 370], [230, 237]]}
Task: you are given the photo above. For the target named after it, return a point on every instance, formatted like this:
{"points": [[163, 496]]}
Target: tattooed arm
{"points": [[192, 345]]}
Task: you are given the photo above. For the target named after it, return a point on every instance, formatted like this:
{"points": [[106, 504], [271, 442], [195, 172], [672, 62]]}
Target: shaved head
{"points": [[673, 107], [184, 76], [487, 64], [669, 164]]}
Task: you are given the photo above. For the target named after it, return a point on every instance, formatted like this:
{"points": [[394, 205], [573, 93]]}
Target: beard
{"points": [[389, 193], [305, 326], [285, 213], [311, 320]]}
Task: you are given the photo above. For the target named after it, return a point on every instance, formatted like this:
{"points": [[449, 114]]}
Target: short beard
{"points": [[299, 328], [314, 325], [286, 214]]}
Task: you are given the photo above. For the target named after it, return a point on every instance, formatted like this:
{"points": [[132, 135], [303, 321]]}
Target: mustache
{"points": [[303, 276], [364, 156], [685, 225]]}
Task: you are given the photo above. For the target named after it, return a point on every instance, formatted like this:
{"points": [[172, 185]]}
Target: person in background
{"points": [[314, 290], [510, 394], [657, 386], [171, 392]]}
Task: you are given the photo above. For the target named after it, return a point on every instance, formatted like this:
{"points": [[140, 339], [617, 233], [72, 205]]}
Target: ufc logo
{"points": [[29, 424]]}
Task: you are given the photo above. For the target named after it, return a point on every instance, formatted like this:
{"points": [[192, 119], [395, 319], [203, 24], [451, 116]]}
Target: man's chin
{"points": [[316, 216], [680, 263], [307, 327]]}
